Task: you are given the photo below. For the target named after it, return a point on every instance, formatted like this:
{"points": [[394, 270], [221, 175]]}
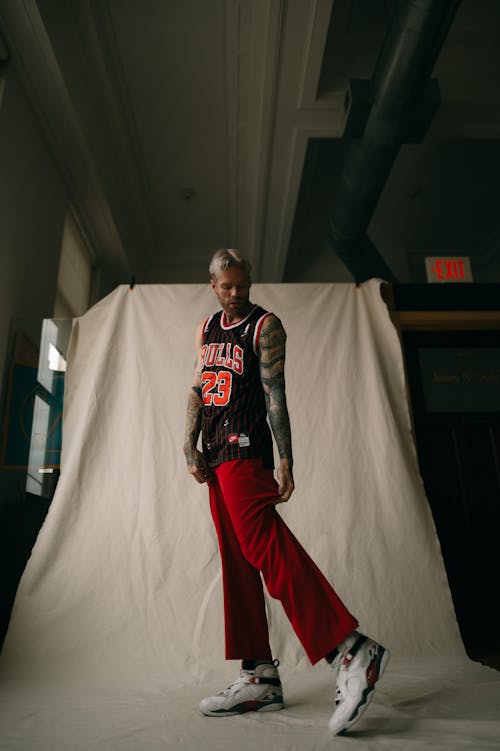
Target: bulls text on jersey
{"points": [[222, 355]]}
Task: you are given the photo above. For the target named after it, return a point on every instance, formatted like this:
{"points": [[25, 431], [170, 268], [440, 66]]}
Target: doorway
{"points": [[454, 381]]}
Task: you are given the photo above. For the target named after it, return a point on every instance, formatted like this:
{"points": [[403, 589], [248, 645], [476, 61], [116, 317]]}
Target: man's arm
{"points": [[196, 462], [272, 374]]}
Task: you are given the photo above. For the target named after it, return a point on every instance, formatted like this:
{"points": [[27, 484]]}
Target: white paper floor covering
{"points": [[117, 628]]}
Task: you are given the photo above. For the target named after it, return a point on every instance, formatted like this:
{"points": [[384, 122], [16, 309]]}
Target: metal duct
{"points": [[410, 49]]}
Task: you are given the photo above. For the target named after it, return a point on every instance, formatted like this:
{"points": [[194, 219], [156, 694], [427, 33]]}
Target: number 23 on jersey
{"points": [[216, 387]]}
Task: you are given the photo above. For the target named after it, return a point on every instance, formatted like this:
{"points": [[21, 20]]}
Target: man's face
{"points": [[232, 288]]}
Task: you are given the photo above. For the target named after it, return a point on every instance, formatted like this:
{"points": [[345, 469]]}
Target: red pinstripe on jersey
{"points": [[234, 417]]}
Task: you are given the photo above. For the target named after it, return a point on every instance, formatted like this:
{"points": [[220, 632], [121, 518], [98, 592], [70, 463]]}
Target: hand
{"points": [[285, 481], [198, 467]]}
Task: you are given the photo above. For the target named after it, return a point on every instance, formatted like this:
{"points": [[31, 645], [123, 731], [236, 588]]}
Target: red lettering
{"points": [[216, 387], [208, 382], [220, 355], [229, 361], [438, 270], [449, 270], [224, 384], [220, 359], [211, 354], [237, 359]]}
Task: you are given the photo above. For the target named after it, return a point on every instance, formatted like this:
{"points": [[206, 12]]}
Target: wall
{"points": [[32, 211], [441, 199]]}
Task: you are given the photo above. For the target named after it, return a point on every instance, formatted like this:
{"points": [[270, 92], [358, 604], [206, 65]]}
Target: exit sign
{"points": [[448, 269]]}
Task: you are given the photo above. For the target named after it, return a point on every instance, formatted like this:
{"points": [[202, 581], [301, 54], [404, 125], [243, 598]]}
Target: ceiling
{"points": [[181, 126]]}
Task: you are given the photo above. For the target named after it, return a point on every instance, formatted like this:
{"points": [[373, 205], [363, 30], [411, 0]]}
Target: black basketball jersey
{"points": [[233, 423]]}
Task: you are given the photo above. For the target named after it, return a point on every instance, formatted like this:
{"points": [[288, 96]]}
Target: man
{"points": [[238, 381]]}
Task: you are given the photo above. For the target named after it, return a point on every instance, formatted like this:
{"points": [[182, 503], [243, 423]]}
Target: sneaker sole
{"points": [[247, 706], [381, 664]]}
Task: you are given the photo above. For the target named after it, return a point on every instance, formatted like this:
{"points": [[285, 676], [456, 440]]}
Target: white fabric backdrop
{"points": [[117, 627]]}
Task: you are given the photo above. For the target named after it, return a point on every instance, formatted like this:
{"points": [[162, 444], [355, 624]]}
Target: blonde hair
{"points": [[226, 257]]}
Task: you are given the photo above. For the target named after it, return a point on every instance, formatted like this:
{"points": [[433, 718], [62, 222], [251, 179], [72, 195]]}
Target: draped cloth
{"points": [[117, 628]]}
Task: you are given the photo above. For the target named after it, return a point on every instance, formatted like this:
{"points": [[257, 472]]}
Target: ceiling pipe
{"points": [[412, 44]]}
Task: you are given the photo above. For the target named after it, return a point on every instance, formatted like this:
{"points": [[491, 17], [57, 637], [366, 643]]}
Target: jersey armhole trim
{"points": [[205, 328], [257, 330]]}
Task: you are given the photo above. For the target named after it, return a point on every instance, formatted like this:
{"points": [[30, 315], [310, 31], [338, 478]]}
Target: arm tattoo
{"points": [[193, 426], [272, 374], [194, 409]]}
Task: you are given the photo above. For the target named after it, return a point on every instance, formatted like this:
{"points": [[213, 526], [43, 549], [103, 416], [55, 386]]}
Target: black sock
{"points": [[252, 664], [331, 655]]}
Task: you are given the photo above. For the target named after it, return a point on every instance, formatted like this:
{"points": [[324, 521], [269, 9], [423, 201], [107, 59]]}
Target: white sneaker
{"points": [[359, 670], [256, 690]]}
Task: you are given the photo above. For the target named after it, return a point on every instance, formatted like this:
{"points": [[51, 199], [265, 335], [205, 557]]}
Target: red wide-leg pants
{"points": [[253, 538]]}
